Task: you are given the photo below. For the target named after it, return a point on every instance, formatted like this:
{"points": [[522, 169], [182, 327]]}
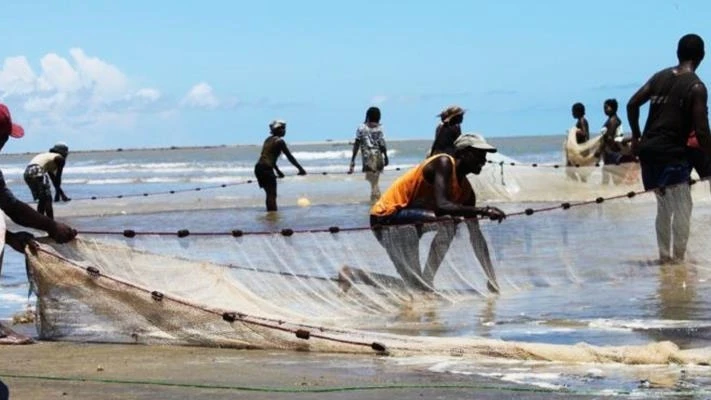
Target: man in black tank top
{"points": [[677, 106]]}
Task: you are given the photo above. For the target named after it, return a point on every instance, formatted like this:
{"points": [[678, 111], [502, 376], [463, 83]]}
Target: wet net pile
{"points": [[336, 290]]}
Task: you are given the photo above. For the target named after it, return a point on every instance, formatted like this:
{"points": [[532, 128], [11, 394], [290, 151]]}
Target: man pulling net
{"points": [[429, 197]]}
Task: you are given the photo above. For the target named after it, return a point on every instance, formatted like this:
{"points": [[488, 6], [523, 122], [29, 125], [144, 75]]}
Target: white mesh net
{"points": [[337, 290]]}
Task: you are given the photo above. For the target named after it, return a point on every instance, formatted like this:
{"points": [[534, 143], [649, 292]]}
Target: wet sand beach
{"points": [[56, 370]]}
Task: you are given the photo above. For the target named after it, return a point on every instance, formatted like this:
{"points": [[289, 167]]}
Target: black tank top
{"points": [[669, 121]]}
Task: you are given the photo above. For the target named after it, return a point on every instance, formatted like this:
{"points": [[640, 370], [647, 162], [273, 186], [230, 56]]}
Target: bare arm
{"points": [[24, 215], [633, 105], [356, 146], [384, 150], [278, 171], [699, 115], [441, 171], [291, 158], [56, 179]]}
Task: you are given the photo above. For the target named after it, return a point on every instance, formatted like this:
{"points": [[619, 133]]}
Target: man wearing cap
{"points": [[272, 148], [21, 213], [448, 130], [45, 167], [427, 198]]}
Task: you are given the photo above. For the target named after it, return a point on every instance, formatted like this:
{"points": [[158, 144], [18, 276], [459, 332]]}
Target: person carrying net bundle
{"points": [[678, 106], [429, 197]]}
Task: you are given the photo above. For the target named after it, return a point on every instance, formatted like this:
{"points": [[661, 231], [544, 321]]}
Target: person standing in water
{"points": [[264, 170], [431, 196], [612, 145], [678, 106], [42, 169], [370, 140], [448, 130], [583, 133]]}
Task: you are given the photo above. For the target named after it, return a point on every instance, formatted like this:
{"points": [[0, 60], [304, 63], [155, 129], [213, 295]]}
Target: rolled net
{"points": [[337, 290]]}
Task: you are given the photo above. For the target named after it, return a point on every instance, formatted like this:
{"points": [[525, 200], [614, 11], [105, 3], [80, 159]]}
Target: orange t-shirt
{"points": [[412, 190]]}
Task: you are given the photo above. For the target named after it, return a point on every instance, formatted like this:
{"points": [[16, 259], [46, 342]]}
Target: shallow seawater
{"points": [[567, 277]]}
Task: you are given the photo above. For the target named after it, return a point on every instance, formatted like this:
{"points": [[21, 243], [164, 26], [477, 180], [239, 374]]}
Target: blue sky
{"points": [[159, 73]]}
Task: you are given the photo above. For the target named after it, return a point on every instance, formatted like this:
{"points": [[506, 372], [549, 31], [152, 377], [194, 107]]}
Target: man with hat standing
{"points": [[42, 169], [22, 214], [448, 130], [429, 197]]}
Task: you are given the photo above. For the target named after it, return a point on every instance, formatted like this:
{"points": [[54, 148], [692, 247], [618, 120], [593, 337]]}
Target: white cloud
{"points": [[73, 92], [107, 82], [148, 94], [380, 99], [58, 75], [17, 77], [200, 96]]}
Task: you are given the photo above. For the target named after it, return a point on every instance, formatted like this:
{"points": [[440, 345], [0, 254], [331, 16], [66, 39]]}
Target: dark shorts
{"points": [[38, 182], [655, 175], [265, 176], [404, 216], [699, 161]]}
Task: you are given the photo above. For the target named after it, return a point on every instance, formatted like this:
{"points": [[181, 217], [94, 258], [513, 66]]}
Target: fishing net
{"points": [[337, 290]]}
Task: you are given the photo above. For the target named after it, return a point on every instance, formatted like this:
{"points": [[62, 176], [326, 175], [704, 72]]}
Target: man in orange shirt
{"points": [[429, 197]]}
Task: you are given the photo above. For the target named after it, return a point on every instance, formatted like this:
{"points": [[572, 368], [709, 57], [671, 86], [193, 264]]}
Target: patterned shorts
{"points": [[38, 182]]}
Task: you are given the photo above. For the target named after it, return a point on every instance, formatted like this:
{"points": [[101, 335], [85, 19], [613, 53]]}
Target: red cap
{"points": [[16, 131]]}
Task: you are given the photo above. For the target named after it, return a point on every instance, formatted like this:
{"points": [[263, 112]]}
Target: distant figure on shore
{"points": [[370, 140], [614, 148], [426, 198], [678, 106], [264, 170], [448, 130], [581, 153], [24, 215], [42, 169], [583, 133]]}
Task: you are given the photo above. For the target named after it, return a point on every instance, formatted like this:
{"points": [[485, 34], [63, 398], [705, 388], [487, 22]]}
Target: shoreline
{"points": [[325, 142]]}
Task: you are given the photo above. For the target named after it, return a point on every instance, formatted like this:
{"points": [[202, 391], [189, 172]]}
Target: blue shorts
{"points": [[655, 175], [404, 216]]}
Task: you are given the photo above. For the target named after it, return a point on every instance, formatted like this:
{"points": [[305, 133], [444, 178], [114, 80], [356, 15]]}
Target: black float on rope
{"points": [[303, 334], [183, 233], [287, 232], [334, 229], [237, 233], [156, 295], [93, 271], [229, 316], [129, 233]]}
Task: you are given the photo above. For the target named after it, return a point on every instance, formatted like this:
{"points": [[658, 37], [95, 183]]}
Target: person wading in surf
{"points": [[42, 169], [678, 106], [272, 148], [24, 215], [448, 130], [429, 197], [371, 143]]}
